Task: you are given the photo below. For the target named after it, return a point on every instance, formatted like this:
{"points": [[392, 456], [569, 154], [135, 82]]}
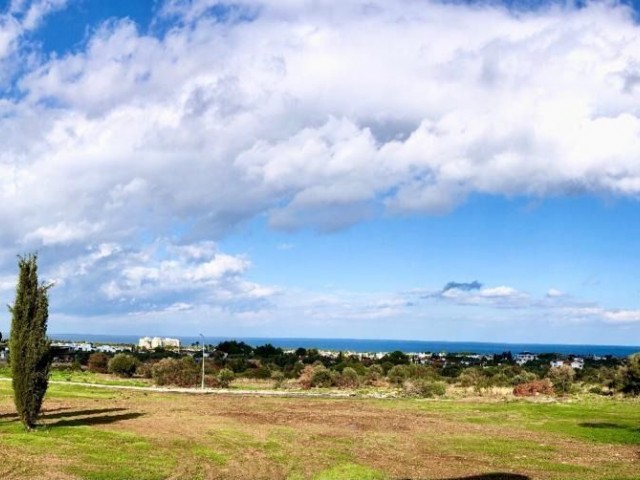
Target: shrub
{"points": [[225, 377], [523, 377], [305, 377], [425, 388], [145, 369], [278, 378], [260, 372], [321, 377], [533, 388], [397, 375], [123, 365], [170, 371], [349, 378], [98, 362], [631, 375], [374, 374], [561, 378]]}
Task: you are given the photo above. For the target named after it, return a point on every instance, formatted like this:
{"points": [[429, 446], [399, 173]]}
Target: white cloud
{"points": [[555, 293], [604, 315], [313, 114], [311, 128]]}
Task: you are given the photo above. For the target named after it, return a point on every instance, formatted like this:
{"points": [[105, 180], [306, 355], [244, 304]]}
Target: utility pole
{"points": [[202, 337]]}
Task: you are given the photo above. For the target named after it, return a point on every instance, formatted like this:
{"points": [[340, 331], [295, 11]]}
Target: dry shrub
{"points": [[98, 362], [170, 371], [305, 377], [531, 389]]}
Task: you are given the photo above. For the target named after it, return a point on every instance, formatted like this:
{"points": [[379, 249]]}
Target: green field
{"points": [[114, 434]]}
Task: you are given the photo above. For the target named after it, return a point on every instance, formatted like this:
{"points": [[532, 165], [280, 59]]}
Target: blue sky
{"points": [[384, 169]]}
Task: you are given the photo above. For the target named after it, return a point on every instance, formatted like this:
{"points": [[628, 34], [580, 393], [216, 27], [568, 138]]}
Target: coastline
{"points": [[376, 346]]}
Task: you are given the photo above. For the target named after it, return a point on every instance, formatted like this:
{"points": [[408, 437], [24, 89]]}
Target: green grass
{"points": [[97, 454], [84, 376], [595, 419], [350, 471], [86, 435]]}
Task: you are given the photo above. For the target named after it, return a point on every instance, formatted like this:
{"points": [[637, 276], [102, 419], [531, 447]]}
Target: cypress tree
{"points": [[29, 348]]}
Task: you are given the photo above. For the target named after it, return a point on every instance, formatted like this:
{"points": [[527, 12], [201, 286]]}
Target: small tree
{"points": [[29, 347], [123, 365]]}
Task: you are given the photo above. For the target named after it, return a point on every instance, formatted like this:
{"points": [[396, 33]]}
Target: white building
{"points": [[577, 363], [106, 349], [525, 357], [149, 343]]}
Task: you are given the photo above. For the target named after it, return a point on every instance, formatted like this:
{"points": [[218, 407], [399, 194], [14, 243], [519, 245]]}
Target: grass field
{"points": [[113, 434]]}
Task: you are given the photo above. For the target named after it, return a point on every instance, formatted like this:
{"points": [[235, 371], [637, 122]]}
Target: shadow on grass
{"points": [[493, 476], [77, 413], [489, 476], [96, 420], [613, 426]]}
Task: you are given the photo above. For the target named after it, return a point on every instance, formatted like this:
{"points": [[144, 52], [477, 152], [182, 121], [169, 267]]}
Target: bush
{"points": [[631, 375], [321, 377], [225, 377], [473, 377], [374, 374], [562, 378], [144, 370], [523, 377], [278, 378], [170, 371], [305, 377], [533, 388], [349, 378], [123, 365], [425, 388], [260, 373], [397, 375], [98, 362]]}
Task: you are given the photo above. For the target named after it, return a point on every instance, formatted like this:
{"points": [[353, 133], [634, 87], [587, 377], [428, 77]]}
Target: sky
{"points": [[395, 169]]}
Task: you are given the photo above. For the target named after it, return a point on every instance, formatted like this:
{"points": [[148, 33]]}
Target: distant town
{"points": [[65, 350]]}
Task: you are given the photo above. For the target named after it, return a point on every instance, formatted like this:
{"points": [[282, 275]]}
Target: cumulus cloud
{"points": [[161, 277], [312, 114], [307, 126]]}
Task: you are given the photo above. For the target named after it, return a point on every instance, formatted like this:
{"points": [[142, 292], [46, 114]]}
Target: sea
{"points": [[377, 345]]}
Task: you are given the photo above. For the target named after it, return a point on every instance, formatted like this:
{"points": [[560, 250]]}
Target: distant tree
{"points": [[396, 358], [123, 365], [233, 347], [29, 346], [268, 350]]}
